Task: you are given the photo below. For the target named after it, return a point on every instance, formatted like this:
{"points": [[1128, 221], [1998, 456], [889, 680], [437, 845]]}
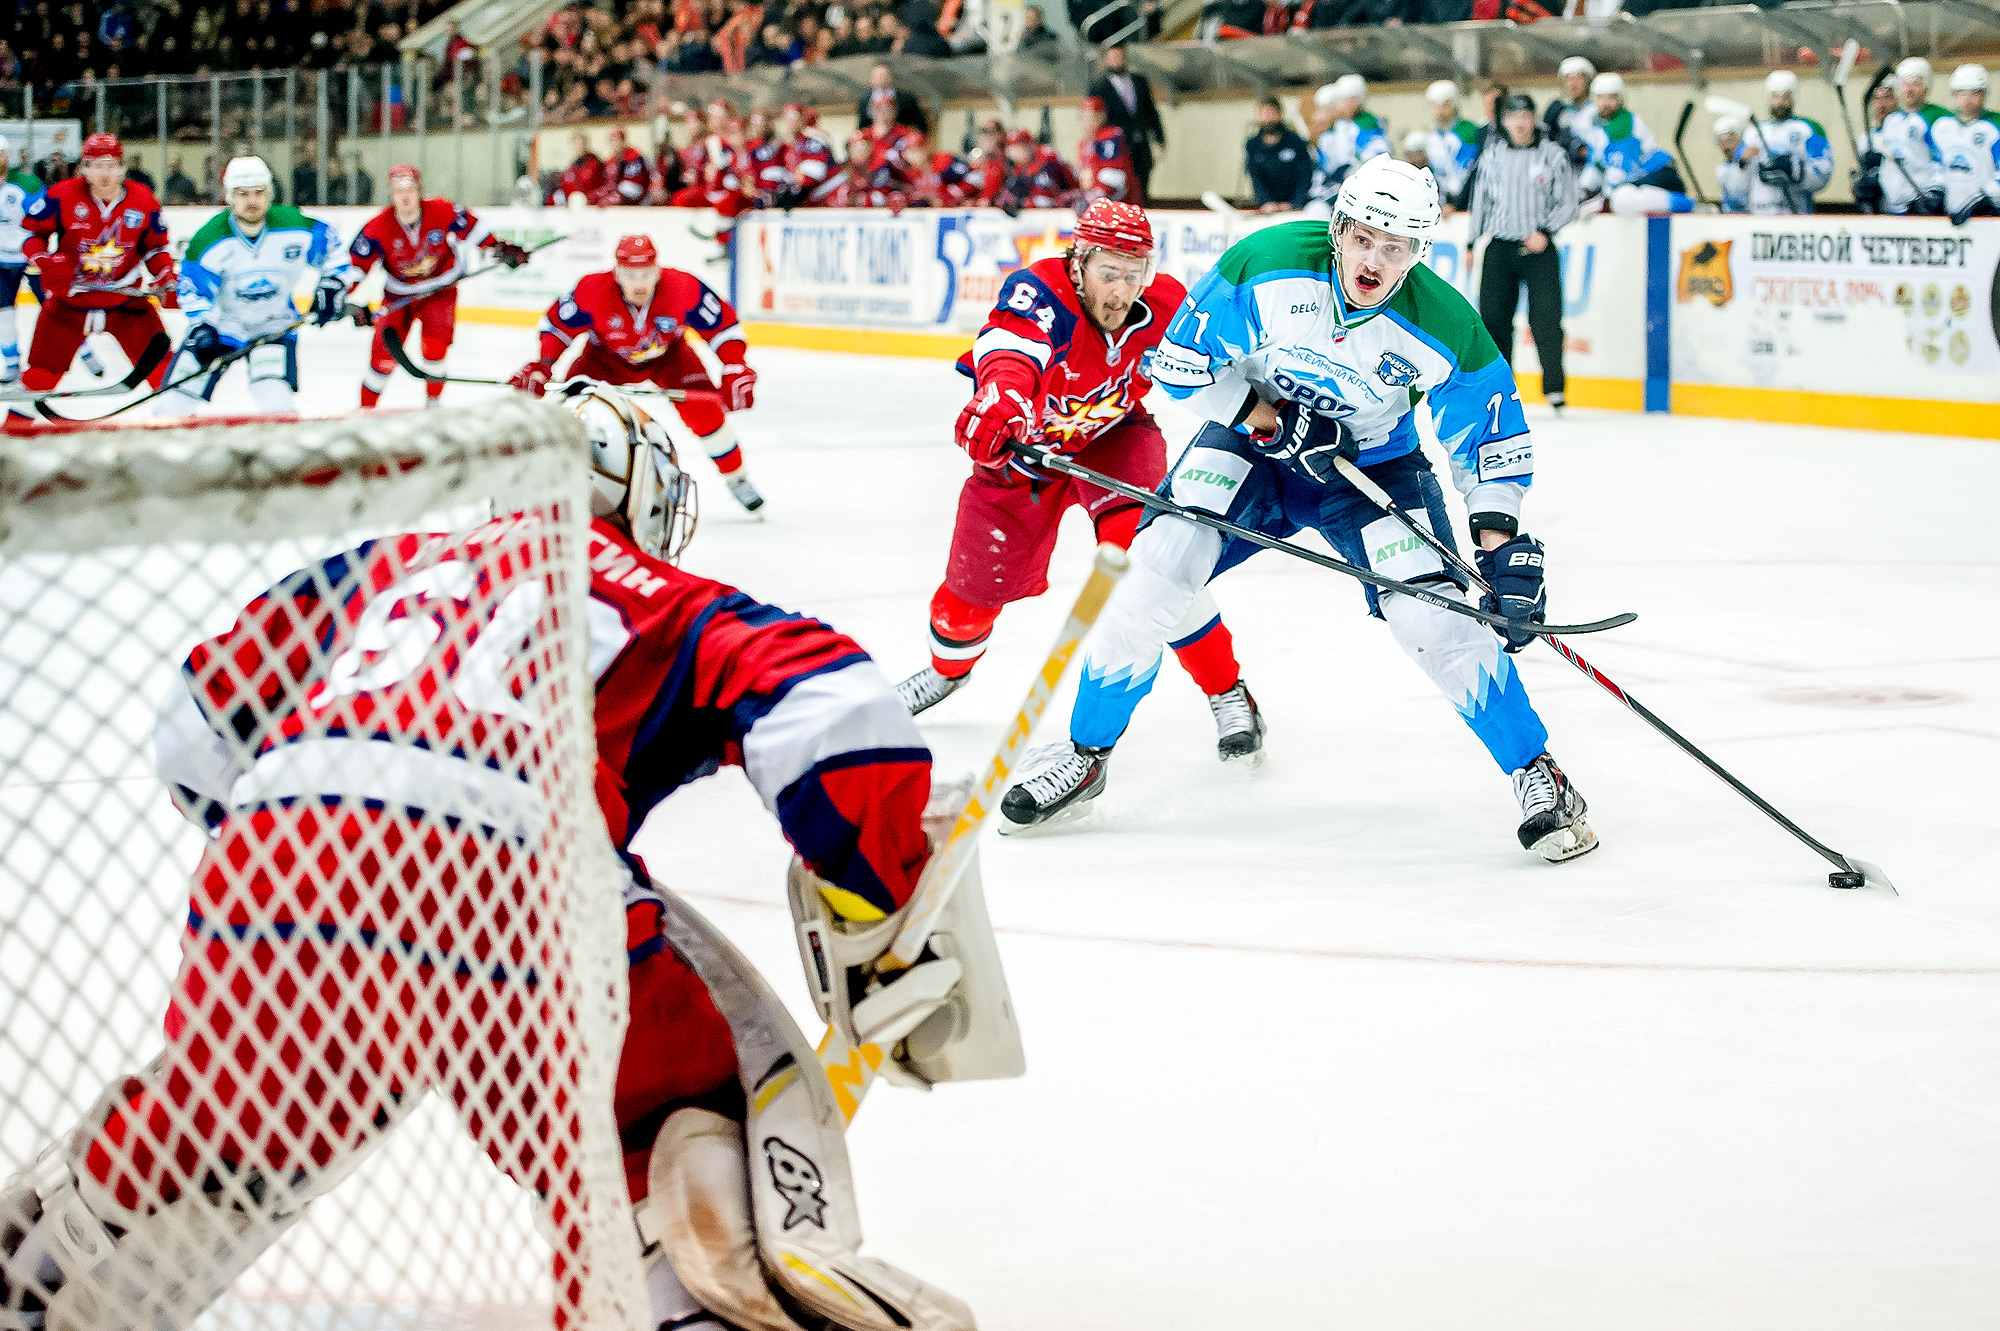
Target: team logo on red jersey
{"points": [[1068, 417], [101, 259], [420, 267]]}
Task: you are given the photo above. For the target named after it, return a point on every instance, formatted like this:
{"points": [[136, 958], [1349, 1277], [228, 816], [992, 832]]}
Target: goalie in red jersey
{"points": [[1062, 362], [100, 246], [421, 246], [630, 326]]}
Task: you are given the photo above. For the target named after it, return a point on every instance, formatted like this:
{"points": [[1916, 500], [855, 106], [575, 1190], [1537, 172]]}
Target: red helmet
{"points": [[1119, 227], [404, 171], [636, 252], [1091, 104], [102, 145], [1017, 137]]}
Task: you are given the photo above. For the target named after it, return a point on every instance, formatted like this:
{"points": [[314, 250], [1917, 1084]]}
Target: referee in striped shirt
{"points": [[1524, 193]]}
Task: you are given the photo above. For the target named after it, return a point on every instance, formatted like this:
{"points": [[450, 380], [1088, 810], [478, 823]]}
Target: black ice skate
{"points": [[1552, 813], [927, 688], [1239, 725], [1065, 779], [743, 492]]}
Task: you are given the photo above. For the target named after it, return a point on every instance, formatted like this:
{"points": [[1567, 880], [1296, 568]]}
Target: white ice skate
{"points": [[927, 688], [1552, 813], [1239, 726], [744, 492], [1062, 781]]}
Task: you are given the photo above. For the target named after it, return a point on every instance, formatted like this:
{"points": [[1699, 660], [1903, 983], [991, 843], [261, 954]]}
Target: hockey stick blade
{"points": [[1215, 203], [149, 360], [1057, 462], [1724, 106]]}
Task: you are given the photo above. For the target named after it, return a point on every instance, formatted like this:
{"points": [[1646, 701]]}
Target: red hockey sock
{"points": [[433, 390], [1209, 657], [1119, 528], [729, 462], [369, 397], [959, 630]]}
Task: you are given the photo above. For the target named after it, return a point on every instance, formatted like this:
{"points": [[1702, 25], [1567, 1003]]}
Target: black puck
{"points": [[1847, 878]]}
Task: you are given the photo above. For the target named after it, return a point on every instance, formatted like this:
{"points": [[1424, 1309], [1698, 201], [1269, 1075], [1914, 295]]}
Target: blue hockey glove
{"points": [[1308, 441], [203, 343], [329, 301], [1513, 573]]}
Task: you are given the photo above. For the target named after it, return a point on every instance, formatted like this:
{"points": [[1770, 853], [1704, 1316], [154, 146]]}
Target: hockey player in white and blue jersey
{"points": [[1627, 165], [1968, 143], [1901, 155], [1781, 161], [18, 189], [1351, 137], [236, 286], [1299, 351], [1452, 144]]}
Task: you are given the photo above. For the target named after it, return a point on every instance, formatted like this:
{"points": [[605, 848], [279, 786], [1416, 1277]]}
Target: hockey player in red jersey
{"points": [[989, 163], [630, 326], [627, 171], [1105, 159], [1062, 362], [718, 170], [1036, 176], [421, 246], [100, 246], [790, 164], [367, 803]]}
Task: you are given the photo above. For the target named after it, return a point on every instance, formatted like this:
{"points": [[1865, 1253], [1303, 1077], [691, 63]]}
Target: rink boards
{"points": [[1871, 322]]}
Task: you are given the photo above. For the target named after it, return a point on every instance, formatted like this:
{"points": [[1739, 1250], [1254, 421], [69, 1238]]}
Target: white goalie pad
{"points": [[793, 1182]]}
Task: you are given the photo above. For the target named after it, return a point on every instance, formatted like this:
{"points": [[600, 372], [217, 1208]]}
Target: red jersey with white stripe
{"points": [[584, 176], [1107, 166], [631, 175], [785, 169], [1046, 183], [406, 675], [1039, 342], [596, 312], [111, 242], [422, 257]]}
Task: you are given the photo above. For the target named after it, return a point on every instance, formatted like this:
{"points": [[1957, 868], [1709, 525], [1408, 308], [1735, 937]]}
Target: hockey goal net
{"points": [[323, 1030]]}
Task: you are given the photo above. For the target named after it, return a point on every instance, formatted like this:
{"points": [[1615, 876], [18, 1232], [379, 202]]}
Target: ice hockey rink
{"points": [[1320, 1046]]}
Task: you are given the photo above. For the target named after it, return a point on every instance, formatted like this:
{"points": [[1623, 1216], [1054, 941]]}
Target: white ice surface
{"points": [[1323, 1047]]}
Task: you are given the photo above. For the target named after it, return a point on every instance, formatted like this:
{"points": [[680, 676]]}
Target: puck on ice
{"points": [[1846, 878]]}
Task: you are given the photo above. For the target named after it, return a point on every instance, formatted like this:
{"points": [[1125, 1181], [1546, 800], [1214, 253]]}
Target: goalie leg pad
{"points": [[973, 1035]]}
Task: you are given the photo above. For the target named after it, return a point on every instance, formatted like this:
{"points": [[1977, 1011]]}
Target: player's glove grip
{"points": [[531, 378], [995, 418], [1513, 576], [508, 253], [203, 343], [57, 272], [1308, 441], [329, 301], [739, 386]]}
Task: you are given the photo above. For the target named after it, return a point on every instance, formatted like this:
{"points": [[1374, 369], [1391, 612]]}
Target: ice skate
{"points": [[1239, 726], [743, 492], [927, 688], [1064, 779], [1557, 402], [1552, 813]]}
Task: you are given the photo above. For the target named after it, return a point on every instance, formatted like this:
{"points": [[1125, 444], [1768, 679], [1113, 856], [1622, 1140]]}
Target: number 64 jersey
{"points": [[1269, 321]]}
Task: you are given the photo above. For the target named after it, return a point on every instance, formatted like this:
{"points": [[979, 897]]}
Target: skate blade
{"points": [[1566, 843], [1245, 763], [1075, 813]]}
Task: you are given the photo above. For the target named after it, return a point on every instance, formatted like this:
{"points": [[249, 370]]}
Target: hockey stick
{"points": [[1680, 132], [149, 360], [1850, 872], [220, 363], [1056, 461], [852, 1069], [1918, 196], [387, 310], [402, 357], [1726, 106]]}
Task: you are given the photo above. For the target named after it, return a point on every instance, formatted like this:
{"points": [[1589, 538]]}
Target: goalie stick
{"points": [[150, 358], [1849, 872], [401, 355], [1045, 457], [851, 1068]]}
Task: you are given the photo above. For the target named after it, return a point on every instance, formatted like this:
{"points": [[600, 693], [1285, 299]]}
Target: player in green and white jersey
{"points": [[236, 286], [1304, 344], [18, 189]]}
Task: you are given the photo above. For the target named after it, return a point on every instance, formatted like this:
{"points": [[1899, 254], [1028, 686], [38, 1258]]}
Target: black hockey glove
{"points": [[1868, 191], [1929, 204], [1871, 161], [1778, 169], [329, 301], [1513, 573], [1976, 206], [1308, 441], [203, 343], [508, 254]]}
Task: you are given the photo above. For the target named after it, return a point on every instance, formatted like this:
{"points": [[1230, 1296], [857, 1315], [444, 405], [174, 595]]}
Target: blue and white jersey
{"points": [[1905, 137], [1969, 151], [1732, 180], [1451, 150], [1801, 145], [17, 191], [243, 285], [1623, 150], [1268, 322], [1345, 145]]}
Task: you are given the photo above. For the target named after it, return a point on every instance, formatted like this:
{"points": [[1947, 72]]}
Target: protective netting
{"points": [[319, 1028]]}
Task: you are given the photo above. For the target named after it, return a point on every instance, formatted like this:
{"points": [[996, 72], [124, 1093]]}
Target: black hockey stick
{"points": [[1044, 457], [1919, 199], [1849, 873], [1680, 132], [407, 301], [149, 360], [215, 366], [401, 353]]}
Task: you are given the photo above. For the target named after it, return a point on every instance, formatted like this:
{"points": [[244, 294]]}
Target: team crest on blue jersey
{"points": [[134, 218], [261, 289], [292, 253], [1395, 371]]}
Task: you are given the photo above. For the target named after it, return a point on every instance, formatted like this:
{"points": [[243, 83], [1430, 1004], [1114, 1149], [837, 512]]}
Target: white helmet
{"points": [[1347, 85], [1576, 64], [1727, 125], [1444, 90], [1781, 81], [1608, 85], [1390, 196], [1914, 70], [245, 173], [635, 473], [1969, 78], [6, 148], [1416, 141]]}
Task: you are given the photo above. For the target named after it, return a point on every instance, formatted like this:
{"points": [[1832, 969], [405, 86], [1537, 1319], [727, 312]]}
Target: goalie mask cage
{"points": [[335, 1049]]}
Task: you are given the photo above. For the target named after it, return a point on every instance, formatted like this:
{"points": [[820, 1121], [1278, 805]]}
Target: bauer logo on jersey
{"points": [[1395, 371], [797, 1180], [1705, 273], [1209, 479]]}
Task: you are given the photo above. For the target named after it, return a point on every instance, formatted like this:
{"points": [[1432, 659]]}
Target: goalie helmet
{"points": [[635, 473]]}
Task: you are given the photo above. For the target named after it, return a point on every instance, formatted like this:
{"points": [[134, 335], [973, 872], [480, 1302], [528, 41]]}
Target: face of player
{"points": [[1728, 144], [1881, 102], [1781, 106], [1608, 104], [248, 204], [882, 116], [1346, 108], [1971, 104], [1093, 120], [106, 176], [1443, 113], [1269, 121], [1111, 284], [1372, 262], [1575, 86], [786, 126], [637, 285], [1912, 93], [617, 142], [1021, 154], [407, 198]]}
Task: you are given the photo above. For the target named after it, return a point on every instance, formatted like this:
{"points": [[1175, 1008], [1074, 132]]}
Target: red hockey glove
{"points": [[508, 253], [739, 386], [531, 378], [994, 418], [58, 272]]}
